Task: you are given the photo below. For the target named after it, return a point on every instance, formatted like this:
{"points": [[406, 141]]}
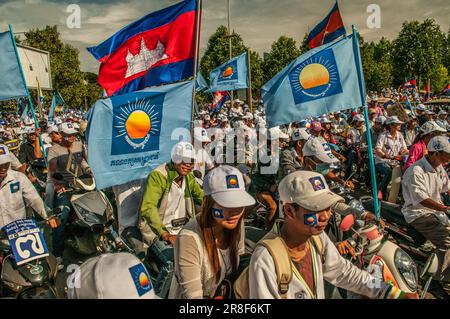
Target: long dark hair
{"points": [[206, 222]]}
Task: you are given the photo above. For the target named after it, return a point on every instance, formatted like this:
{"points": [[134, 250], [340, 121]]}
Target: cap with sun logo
{"points": [[227, 187]]}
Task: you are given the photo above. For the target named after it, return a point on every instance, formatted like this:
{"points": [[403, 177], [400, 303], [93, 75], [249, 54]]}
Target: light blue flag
{"points": [[56, 100], [11, 81], [130, 134], [321, 81], [230, 76], [201, 84]]}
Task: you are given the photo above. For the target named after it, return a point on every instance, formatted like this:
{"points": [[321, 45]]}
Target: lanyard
{"points": [[299, 276]]}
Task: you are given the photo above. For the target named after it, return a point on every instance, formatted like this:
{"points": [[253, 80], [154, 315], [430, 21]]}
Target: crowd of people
{"points": [[191, 211]]}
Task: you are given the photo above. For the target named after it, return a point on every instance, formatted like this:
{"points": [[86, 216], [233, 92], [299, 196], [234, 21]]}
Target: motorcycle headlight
{"points": [[407, 268]]}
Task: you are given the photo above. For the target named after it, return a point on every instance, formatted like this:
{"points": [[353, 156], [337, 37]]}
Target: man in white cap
{"points": [[30, 150], [390, 148], [353, 141], [172, 196], [16, 193], [111, 276], [422, 185], [292, 159], [442, 120], [68, 154], [319, 158], [306, 202], [420, 112]]}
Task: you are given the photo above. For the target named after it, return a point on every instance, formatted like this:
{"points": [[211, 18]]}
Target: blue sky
{"points": [[260, 22]]}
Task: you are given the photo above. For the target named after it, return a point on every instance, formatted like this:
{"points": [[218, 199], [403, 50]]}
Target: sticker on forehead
{"points": [[317, 183], [232, 181], [310, 219]]}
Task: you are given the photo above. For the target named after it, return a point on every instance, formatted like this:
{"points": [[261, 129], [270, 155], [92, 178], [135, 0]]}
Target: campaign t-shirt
{"points": [[61, 154]]}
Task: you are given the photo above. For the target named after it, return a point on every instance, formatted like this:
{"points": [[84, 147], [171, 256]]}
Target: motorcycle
{"points": [[34, 279], [89, 226]]}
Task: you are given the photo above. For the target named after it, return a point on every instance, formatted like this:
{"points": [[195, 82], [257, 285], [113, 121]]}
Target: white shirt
{"points": [[353, 136], [176, 206], [420, 182], [16, 193], [336, 270], [203, 161], [410, 136], [390, 146]]}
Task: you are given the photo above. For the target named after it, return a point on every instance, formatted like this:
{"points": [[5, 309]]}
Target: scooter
{"points": [[32, 280], [89, 226], [384, 259]]}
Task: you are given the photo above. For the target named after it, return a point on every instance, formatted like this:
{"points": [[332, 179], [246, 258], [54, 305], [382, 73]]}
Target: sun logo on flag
{"points": [[136, 126], [228, 72], [315, 78]]}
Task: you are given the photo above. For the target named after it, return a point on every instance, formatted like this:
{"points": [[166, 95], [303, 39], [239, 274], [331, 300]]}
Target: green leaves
{"points": [[283, 52]]}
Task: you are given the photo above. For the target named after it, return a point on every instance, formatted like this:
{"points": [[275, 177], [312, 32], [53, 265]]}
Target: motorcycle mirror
{"points": [[347, 223], [431, 266], [197, 174]]}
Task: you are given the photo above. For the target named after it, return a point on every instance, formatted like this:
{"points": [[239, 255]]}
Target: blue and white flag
{"points": [[201, 84], [321, 81], [56, 100], [230, 76], [131, 134], [11, 81]]}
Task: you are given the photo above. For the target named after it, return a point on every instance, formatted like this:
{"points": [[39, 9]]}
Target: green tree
{"points": [[283, 52], [304, 47], [377, 64], [418, 51], [439, 79], [67, 77], [218, 52]]}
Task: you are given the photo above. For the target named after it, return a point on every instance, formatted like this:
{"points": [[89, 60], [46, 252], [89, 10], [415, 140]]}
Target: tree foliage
{"points": [[67, 77], [283, 52]]}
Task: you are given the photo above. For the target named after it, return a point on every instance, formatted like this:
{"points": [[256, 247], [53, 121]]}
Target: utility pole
{"points": [[229, 43]]}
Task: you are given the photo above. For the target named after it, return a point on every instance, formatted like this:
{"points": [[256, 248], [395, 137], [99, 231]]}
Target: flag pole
{"points": [[250, 102], [36, 123], [362, 91], [197, 50]]}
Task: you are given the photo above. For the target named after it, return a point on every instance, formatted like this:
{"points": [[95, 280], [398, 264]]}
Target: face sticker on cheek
{"points": [[310, 219], [218, 213]]}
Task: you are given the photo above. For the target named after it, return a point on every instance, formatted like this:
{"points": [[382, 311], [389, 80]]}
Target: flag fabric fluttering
{"points": [[131, 134], [56, 100], [230, 76], [219, 99], [201, 83], [11, 81], [321, 81], [328, 30], [157, 49]]}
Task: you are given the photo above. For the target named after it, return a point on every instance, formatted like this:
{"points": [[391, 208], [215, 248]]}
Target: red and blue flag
{"points": [[220, 97], [331, 28], [155, 50], [410, 84]]}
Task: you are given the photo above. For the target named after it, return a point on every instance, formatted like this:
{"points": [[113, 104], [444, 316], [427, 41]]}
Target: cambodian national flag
{"points": [[410, 84], [331, 28], [219, 99], [157, 49]]}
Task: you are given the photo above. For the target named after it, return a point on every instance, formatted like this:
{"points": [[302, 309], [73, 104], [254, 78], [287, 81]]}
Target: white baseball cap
{"points": [[5, 156], [183, 152], [442, 112], [67, 128], [300, 134], [201, 135], [380, 119], [52, 129], [307, 189], [324, 120], [393, 120], [30, 130], [319, 148], [111, 276], [421, 107], [358, 118], [439, 143], [227, 187], [238, 101], [431, 126]]}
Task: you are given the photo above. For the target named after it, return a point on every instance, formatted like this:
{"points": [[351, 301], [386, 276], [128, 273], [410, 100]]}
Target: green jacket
{"points": [[154, 202]]}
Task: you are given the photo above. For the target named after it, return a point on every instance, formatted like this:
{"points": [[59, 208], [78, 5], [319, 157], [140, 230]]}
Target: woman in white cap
{"points": [[419, 149], [208, 247]]}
